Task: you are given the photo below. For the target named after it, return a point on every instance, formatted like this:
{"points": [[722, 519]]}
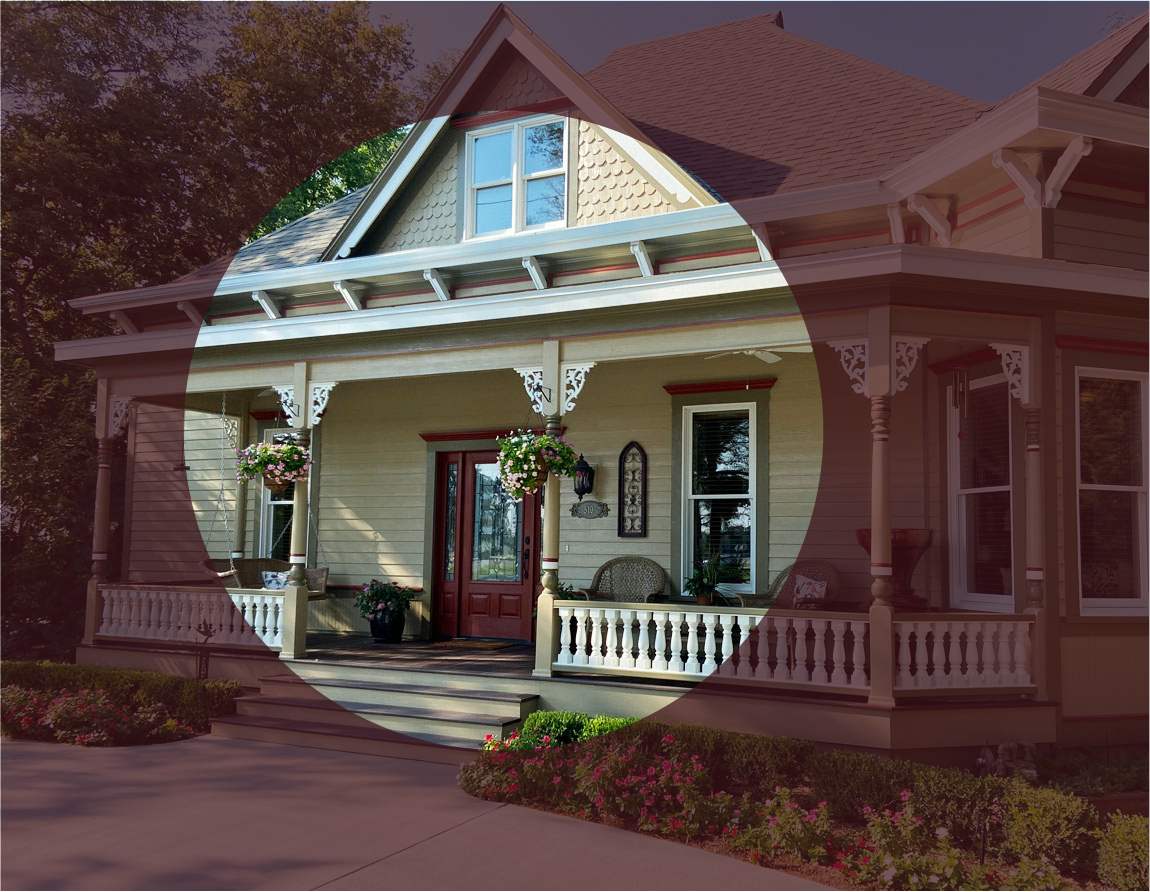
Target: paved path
{"points": [[212, 813]]}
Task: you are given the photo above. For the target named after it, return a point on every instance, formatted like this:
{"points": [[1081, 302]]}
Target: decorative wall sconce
{"points": [[632, 492], [584, 478]]}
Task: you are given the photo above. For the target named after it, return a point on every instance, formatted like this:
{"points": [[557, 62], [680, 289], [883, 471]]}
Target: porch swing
{"points": [[248, 573]]}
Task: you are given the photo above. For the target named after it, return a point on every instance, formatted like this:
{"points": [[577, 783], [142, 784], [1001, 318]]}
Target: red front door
{"points": [[485, 551]]}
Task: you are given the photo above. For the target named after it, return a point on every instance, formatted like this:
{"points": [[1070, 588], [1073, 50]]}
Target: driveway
{"points": [[212, 813]]}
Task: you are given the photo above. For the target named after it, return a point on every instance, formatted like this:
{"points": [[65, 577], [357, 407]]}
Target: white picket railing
{"points": [[237, 618], [963, 651], [789, 649]]}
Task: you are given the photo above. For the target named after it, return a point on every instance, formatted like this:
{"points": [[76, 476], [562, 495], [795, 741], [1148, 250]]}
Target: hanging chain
{"points": [[221, 496]]}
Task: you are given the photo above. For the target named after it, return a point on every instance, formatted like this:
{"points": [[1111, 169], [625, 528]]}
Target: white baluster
{"points": [[693, 664], [904, 679], [747, 627], [980, 669], [938, 656], [582, 618], [106, 620], [275, 622], [564, 636], [858, 654], [163, 612], [727, 625], [921, 679], [1021, 670], [676, 663], [611, 652], [838, 652], [627, 633], [709, 643], [644, 659], [1002, 670], [954, 654], [659, 664]]}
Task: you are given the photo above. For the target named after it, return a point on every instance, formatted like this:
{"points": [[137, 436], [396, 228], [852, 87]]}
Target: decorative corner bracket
{"points": [[1021, 175], [122, 407], [574, 377], [288, 404], [320, 394], [853, 356], [904, 356], [1016, 366], [1079, 148], [925, 208], [533, 385]]}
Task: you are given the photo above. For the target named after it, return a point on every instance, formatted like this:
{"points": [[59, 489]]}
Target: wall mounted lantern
{"points": [[584, 478]]}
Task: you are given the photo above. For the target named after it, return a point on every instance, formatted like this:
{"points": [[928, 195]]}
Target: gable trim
{"points": [[1109, 85]]}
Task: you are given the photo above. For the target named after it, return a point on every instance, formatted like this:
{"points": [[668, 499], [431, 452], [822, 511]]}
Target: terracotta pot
{"points": [[704, 600], [275, 488]]}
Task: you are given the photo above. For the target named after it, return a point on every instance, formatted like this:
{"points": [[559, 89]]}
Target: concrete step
{"points": [[321, 735], [382, 673], [505, 704], [423, 722]]}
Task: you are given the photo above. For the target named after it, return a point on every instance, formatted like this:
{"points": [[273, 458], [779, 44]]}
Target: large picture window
{"points": [[719, 492], [1111, 421], [982, 548], [517, 177]]}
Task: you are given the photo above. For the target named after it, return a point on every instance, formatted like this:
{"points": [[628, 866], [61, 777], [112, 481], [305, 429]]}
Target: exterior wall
{"points": [[610, 187], [1089, 231], [163, 540], [426, 213]]}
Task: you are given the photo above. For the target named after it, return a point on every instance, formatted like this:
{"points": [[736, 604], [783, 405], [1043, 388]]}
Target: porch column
{"points": [[546, 629], [100, 535], [1035, 528], [294, 619], [239, 535]]}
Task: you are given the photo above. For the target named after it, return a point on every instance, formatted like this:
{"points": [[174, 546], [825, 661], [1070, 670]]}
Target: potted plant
{"points": [[703, 583], [383, 604], [280, 464], [526, 457]]}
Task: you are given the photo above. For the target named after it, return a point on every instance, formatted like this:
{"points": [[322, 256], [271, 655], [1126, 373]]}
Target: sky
{"points": [[982, 50]]}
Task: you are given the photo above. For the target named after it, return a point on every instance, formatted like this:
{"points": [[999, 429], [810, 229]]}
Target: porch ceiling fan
{"points": [[766, 355]]}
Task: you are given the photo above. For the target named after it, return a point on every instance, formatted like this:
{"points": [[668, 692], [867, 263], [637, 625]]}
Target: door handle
{"points": [[526, 563]]}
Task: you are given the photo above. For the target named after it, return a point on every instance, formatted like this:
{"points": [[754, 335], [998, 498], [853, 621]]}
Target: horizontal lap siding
{"points": [[1093, 232]]}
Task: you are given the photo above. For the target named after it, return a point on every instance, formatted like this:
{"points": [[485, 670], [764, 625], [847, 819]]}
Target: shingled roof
{"points": [[1087, 73], [754, 110]]}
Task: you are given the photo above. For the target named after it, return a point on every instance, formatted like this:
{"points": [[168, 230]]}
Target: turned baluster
{"points": [[660, 662], [838, 652], [904, 678]]}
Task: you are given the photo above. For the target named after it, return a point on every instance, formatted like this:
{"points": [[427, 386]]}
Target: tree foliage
{"points": [[142, 141]]}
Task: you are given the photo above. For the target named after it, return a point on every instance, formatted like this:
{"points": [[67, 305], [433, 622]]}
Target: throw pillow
{"points": [[809, 588], [275, 581]]}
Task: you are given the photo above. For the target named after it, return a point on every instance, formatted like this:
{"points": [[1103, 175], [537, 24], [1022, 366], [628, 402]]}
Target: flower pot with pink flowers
{"points": [[279, 464], [525, 458]]}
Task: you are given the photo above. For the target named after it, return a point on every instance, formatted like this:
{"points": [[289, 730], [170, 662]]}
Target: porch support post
{"points": [[1035, 530], [546, 629], [94, 607], [239, 535], [295, 592], [878, 388]]}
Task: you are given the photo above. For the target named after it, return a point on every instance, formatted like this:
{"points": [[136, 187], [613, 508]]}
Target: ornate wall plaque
{"points": [[633, 491]]}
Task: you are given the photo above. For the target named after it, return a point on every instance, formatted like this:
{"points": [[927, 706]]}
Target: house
{"points": [[870, 305]]}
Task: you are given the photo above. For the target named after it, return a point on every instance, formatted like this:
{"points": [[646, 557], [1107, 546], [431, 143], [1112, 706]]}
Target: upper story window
{"points": [[517, 177]]}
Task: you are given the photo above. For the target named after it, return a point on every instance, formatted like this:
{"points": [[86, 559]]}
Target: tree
{"points": [[142, 141]]}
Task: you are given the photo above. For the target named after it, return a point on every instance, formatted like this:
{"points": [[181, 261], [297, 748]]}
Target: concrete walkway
{"points": [[212, 813]]}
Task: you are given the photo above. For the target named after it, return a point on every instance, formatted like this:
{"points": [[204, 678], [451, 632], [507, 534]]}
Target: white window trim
{"points": [[1113, 606], [266, 504], [960, 596], [518, 191], [687, 515]]}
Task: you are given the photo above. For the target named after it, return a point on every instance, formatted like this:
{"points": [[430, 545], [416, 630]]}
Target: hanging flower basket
{"points": [[525, 458], [280, 464]]}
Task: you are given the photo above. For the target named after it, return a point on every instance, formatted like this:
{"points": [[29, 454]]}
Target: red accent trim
{"points": [[965, 361], [989, 214], [990, 196], [486, 434], [720, 386], [398, 294], [594, 269], [538, 108], [881, 565], [470, 285], [1039, 569], [229, 315], [835, 238], [1101, 345], [686, 258], [317, 303], [1105, 718]]}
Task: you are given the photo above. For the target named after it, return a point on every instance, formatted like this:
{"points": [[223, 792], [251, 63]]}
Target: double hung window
{"points": [[719, 491], [1112, 465], [982, 555], [517, 177], [275, 529]]}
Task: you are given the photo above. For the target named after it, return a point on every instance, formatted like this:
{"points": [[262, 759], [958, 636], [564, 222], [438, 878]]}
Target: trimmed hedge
{"points": [[1123, 856], [187, 700]]}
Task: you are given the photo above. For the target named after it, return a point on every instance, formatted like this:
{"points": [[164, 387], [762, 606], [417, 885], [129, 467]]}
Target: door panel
{"points": [[486, 551]]}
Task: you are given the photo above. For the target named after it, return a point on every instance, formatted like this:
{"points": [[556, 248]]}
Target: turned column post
{"points": [[546, 629], [239, 534], [294, 637], [94, 604], [1035, 530]]}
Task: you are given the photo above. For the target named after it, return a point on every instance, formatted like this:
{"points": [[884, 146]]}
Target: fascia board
{"points": [[392, 178], [514, 247], [820, 200], [572, 299], [1097, 118]]}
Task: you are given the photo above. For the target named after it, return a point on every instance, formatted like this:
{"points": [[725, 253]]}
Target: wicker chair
{"points": [[248, 573], [627, 579], [781, 594]]}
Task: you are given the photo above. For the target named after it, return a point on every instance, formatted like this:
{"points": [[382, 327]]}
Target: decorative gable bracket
{"points": [[904, 358], [1079, 148], [1015, 168], [937, 221], [1016, 366], [573, 375]]}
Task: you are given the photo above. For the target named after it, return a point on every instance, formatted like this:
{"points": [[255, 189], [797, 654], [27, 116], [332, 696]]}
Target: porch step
{"points": [[322, 735], [376, 717]]}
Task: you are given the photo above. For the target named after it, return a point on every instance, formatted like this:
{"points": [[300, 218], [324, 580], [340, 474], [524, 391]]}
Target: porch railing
{"points": [[809, 650], [237, 618]]}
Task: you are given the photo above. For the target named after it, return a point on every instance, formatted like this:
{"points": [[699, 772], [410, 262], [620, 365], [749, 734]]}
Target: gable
{"points": [[510, 82]]}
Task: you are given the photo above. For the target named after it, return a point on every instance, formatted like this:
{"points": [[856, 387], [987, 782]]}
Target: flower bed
{"points": [[104, 706], [876, 821]]}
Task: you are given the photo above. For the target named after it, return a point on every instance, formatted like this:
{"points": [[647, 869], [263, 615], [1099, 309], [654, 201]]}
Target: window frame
{"points": [[961, 597], [1113, 606], [517, 180], [686, 496]]}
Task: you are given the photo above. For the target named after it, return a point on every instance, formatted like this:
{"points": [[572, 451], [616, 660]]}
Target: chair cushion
{"points": [[809, 588], [275, 581]]}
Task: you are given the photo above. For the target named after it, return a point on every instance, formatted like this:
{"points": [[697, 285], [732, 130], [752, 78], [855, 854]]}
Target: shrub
{"points": [[1123, 859], [969, 807], [850, 781], [1048, 823], [85, 718], [187, 700], [781, 826], [555, 728], [1084, 773]]}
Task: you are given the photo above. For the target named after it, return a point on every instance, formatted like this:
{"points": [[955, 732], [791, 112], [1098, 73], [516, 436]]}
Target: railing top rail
{"points": [[964, 617], [183, 588], [703, 611]]}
